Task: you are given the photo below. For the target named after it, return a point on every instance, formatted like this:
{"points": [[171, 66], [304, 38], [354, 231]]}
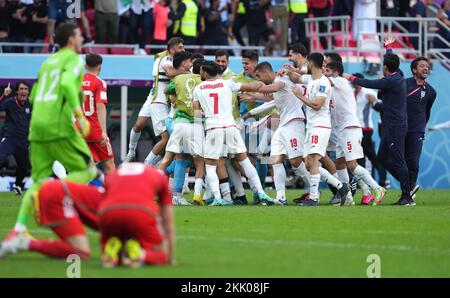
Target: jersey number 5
{"points": [[215, 97]]}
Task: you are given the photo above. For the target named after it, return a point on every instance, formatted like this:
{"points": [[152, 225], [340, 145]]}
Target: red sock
{"points": [[55, 248], [155, 257]]}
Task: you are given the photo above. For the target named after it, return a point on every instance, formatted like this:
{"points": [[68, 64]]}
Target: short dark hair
{"points": [[21, 82], [197, 56], [93, 60], [197, 65], [335, 57], [220, 53], [211, 68], [358, 75], [180, 57], [316, 59], [391, 61], [336, 66], [298, 48], [416, 61], [264, 66], [251, 55], [63, 32], [174, 41]]}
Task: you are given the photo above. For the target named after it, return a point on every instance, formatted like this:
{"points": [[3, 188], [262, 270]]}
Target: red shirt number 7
{"points": [[215, 97]]}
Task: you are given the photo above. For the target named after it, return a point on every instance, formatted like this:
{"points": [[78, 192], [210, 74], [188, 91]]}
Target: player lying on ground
{"points": [[64, 207]]}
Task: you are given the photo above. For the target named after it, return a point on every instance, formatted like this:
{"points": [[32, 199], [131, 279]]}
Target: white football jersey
{"points": [[216, 100], [364, 108], [315, 88], [289, 106], [344, 104], [163, 79]]}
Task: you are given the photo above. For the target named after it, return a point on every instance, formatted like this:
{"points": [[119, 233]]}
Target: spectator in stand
{"points": [[256, 21], [15, 132], [418, 10], [342, 8], [4, 23], [215, 33], [57, 13], [161, 12], [17, 23], [280, 17], [187, 21], [390, 8], [106, 21], [364, 9], [299, 9], [124, 21], [239, 20], [141, 17], [320, 8], [37, 20], [444, 16]]}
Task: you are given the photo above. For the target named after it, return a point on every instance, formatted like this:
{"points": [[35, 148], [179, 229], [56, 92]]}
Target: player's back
{"points": [[52, 111], [288, 105], [318, 88], [344, 104], [94, 91], [135, 185], [216, 100]]}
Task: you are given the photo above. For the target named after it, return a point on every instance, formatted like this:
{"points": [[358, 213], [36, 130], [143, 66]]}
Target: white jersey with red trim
{"points": [[215, 98], [288, 105], [316, 88], [344, 104]]}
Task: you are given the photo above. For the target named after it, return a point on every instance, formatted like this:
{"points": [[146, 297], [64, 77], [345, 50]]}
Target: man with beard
{"points": [[420, 99]]}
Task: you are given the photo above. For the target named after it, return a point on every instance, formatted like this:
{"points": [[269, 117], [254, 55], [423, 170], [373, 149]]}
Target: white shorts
{"points": [[159, 112], [349, 145], [218, 137], [288, 140], [146, 107], [316, 141], [333, 141], [256, 129], [186, 138]]}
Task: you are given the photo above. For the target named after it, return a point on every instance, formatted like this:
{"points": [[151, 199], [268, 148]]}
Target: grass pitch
{"points": [[278, 241]]}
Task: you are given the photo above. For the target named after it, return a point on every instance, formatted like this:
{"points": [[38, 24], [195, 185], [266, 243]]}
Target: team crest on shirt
{"points": [[27, 110], [422, 94], [321, 88]]}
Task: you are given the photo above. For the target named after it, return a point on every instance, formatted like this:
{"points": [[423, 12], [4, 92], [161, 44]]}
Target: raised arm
{"points": [[267, 106]]}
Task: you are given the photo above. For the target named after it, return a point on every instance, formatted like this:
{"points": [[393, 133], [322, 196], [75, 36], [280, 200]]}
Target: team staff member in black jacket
{"points": [[392, 91], [15, 132], [420, 98]]}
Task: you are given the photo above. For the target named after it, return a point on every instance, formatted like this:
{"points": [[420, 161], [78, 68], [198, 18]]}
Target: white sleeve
{"points": [[323, 89], [305, 79], [442, 126], [267, 106], [195, 94], [234, 86]]}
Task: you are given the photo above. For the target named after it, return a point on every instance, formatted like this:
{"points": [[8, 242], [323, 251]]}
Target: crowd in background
{"points": [[269, 23]]}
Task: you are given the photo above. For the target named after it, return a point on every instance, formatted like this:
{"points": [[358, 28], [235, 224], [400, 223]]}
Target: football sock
{"points": [[314, 187], [152, 159], [279, 179], [225, 189], [170, 169], [251, 174], [328, 178], [198, 186], [235, 178], [179, 174], [212, 180], [134, 139], [302, 172], [55, 248], [364, 187], [262, 169], [364, 175], [342, 175]]}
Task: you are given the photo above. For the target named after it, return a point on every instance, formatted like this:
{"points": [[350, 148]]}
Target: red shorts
{"points": [[128, 224], [101, 153], [56, 211]]}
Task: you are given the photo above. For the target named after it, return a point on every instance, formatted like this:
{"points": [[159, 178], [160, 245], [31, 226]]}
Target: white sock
{"points": [[198, 186], [20, 228], [314, 187], [328, 178], [364, 187], [152, 159], [186, 180], [342, 175], [251, 174], [59, 170], [212, 180], [134, 139], [364, 175], [207, 194], [236, 178], [225, 191], [279, 179], [335, 175], [302, 172]]}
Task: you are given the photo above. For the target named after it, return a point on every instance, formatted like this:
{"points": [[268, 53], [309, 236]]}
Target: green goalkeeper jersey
{"points": [[55, 95], [242, 78], [183, 87]]}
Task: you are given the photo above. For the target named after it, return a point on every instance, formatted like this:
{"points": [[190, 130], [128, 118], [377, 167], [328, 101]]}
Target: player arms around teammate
{"points": [[64, 207], [95, 100], [214, 97], [136, 198]]}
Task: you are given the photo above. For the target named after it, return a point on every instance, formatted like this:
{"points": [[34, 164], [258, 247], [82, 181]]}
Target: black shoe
{"points": [[18, 190], [333, 189], [302, 198], [335, 200], [343, 192], [309, 203], [242, 200], [353, 185], [412, 202], [402, 202]]}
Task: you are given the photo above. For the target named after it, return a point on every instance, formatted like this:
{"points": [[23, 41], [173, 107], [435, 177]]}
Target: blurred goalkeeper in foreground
{"points": [[56, 99]]}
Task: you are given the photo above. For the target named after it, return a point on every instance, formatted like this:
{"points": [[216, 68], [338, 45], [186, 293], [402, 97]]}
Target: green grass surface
{"points": [[278, 241]]}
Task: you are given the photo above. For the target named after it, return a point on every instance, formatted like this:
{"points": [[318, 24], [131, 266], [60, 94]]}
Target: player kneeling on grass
{"points": [[64, 207], [136, 196]]}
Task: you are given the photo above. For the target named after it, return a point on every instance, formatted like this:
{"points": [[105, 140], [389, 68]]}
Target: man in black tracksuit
{"points": [[392, 91], [420, 99], [15, 132]]}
